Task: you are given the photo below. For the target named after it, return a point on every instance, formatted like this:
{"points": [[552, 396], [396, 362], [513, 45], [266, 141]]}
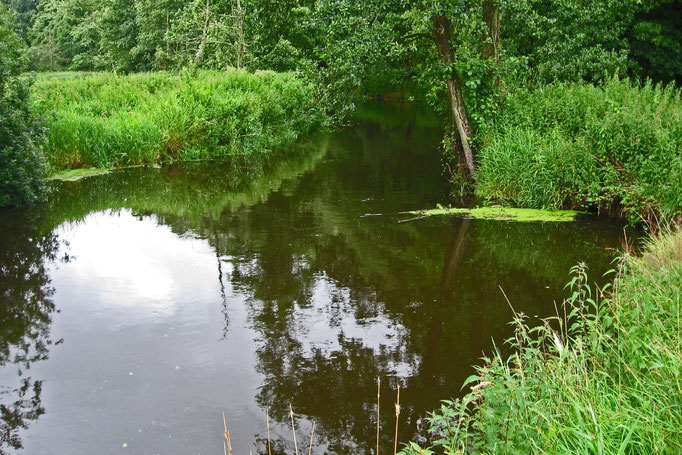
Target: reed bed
{"points": [[107, 120], [614, 148]]}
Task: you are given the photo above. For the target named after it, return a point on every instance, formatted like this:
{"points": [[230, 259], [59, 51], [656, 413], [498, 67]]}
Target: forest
{"points": [[553, 105]]}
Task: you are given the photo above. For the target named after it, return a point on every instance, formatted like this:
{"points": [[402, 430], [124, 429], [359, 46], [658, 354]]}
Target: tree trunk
{"points": [[240, 35], [441, 31], [491, 37], [204, 34]]}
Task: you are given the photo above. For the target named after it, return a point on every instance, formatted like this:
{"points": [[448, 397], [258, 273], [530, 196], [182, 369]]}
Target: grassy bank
{"points": [[616, 147], [106, 120], [604, 376]]}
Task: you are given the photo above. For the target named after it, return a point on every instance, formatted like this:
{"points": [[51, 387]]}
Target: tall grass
{"points": [[618, 146], [602, 377], [108, 120]]}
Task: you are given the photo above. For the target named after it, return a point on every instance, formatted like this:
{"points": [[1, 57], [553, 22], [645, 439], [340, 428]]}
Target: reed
{"points": [[107, 120], [227, 446], [397, 418], [227, 437], [267, 423], [615, 146], [293, 428], [312, 433], [378, 411]]}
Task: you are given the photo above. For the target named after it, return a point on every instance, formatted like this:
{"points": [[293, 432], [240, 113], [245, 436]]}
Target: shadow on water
{"points": [[26, 311], [263, 284]]}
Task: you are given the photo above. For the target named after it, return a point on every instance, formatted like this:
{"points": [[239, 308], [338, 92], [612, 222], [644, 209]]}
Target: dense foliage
{"points": [[462, 56], [106, 120], [21, 166], [577, 145], [601, 377]]}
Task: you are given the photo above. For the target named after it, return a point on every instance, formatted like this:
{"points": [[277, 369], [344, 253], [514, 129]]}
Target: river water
{"points": [[138, 306]]}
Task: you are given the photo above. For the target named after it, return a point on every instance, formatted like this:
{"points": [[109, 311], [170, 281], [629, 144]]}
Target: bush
{"points": [[107, 120], [21, 162], [601, 377], [582, 146]]}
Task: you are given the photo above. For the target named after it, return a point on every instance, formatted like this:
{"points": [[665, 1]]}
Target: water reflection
{"points": [[26, 310], [190, 292]]}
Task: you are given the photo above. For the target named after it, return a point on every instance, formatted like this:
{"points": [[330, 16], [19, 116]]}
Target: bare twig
{"points": [[397, 418], [312, 433], [508, 302], [378, 409], [293, 429], [267, 423]]}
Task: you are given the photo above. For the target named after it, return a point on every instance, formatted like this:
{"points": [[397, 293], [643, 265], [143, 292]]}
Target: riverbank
{"points": [[105, 120], [603, 376], [611, 148]]}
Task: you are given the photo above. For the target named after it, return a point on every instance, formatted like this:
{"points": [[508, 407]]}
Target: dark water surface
{"points": [[138, 306]]}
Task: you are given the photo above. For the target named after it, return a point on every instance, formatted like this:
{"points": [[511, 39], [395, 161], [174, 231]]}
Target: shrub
{"points": [[21, 162]]}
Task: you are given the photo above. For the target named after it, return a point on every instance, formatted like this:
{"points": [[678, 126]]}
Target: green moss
{"points": [[502, 214]]}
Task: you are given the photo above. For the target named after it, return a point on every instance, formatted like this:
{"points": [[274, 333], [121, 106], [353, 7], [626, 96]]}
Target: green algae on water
{"points": [[71, 175], [501, 214]]}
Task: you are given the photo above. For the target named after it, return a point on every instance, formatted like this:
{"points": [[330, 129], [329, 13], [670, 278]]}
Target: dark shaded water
{"points": [[137, 306]]}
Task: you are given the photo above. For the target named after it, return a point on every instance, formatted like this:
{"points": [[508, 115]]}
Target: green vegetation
{"points": [[71, 175], [501, 214], [463, 57], [21, 163], [581, 146], [603, 376], [106, 120]]}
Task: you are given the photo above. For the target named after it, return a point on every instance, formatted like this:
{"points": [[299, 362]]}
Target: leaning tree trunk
{"points": [[441, 31]]}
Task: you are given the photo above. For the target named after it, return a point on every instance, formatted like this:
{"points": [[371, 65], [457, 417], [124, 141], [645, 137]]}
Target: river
{"points": [[138, 306]]}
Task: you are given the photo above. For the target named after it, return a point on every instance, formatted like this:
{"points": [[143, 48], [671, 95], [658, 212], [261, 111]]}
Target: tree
{"points": [[118, 37], [154, 19], [209, 33], [23, 10], [457, 45], [65, 34], [655, 41], [21, 161], [281, 33], [564, 40]]}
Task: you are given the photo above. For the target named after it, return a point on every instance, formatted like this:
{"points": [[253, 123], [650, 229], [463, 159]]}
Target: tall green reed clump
{"points": [[109, 120], [602, 377], [581, 146]]}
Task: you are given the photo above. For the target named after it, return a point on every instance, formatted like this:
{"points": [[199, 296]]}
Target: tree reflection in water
{"points": [[26, 311]]}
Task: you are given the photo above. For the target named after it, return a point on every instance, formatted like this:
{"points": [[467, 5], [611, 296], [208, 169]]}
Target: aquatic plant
{"points": [[498, 213], [602, 376]]}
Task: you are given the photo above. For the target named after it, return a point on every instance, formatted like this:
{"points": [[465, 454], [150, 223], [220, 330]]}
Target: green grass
{"points": [[602, 377], [106, 120], [617, 148]]}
